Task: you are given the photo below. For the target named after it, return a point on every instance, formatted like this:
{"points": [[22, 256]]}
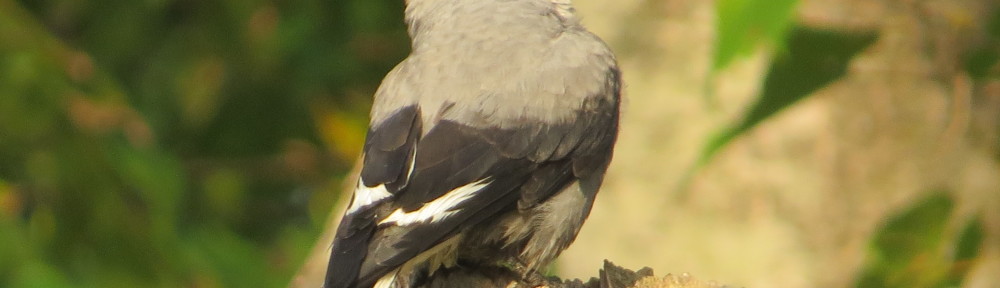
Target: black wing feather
{"points": [[349, 248], [388, 148], [524, 166], [449, 156]]}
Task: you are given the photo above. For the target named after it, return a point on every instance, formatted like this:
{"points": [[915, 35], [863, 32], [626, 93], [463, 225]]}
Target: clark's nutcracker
{"points": [[486, 146]]}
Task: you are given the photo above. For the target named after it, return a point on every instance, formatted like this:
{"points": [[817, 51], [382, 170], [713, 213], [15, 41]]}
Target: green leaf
{"points": [[970, 242], [906, 250], [967, 249], [981, 59], [814, 59], [743, 24], [979, 62]]}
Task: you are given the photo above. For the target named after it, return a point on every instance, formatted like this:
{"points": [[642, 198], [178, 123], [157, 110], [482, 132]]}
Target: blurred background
{"points": [[764, 143]]}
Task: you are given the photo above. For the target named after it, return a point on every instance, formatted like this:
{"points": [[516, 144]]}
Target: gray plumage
{"points": [[487, 145]]}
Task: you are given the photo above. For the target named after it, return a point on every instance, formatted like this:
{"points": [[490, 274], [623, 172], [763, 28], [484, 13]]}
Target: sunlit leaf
{"points": [[908, 249], [744, 24], [814, 58]]}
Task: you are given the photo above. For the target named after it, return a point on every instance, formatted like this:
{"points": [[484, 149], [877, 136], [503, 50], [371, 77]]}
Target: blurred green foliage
{"points": [[812, 58], [185, 143], [179, 143], [980, 59], [915, 248], [806, 60], [743, 25]]}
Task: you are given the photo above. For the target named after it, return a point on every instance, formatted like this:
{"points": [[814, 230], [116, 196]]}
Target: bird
{"points": [[486, 146]]}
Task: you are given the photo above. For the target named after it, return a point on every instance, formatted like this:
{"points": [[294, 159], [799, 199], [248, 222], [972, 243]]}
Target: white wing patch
{"points": [[365, 196], [413, 164], [440, 208]]}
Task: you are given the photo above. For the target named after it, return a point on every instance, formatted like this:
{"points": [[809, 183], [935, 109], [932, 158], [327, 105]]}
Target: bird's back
{"points": [[502, 61], [488, 143]]}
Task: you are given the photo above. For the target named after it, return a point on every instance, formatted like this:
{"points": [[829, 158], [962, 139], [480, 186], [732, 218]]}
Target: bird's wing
{"points": [[419, 188]]}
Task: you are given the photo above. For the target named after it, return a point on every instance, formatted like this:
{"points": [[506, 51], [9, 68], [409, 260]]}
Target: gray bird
{"points": [[487, 145]]}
